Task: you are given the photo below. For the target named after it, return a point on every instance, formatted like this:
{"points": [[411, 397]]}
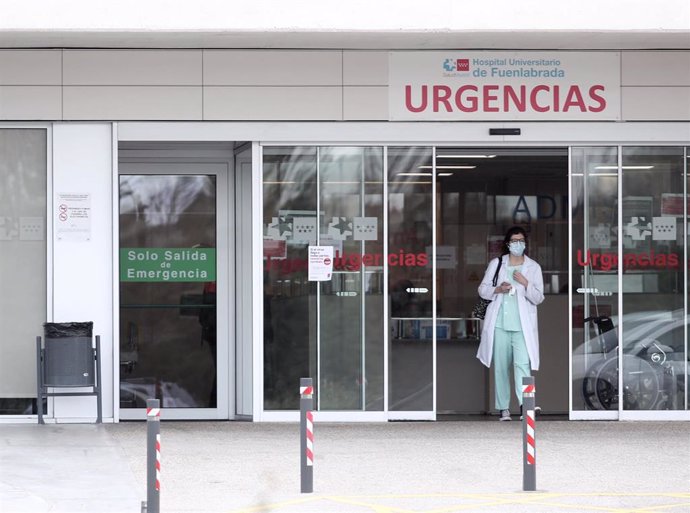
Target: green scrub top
{"points": [[509, 315]]}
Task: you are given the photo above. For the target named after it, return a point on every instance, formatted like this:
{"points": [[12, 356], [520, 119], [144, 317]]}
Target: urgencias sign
{"points": [[457, 85], [645, 260]]}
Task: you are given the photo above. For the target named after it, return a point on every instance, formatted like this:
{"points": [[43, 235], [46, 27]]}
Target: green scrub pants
{"points": [[509, 347]]}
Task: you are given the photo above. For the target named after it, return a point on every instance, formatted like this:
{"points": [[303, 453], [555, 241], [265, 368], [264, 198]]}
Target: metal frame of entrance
{"points": [[388, 134]]}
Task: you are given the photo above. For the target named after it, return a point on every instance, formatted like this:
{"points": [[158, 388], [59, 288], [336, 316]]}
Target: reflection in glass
{"points": [[23, 191], [651, 330], [290, 312], [653, 341], [410, 279], [594, 193], [351, 304], [346, 358], [168, 323]]}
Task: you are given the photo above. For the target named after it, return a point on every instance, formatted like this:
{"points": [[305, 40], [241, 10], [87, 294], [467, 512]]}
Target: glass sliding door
{"points": [[653, 338], [629, 226], [410, 280], [23, 195], [173, 315], [331, 331], [351, 303], [290, 311], [595, 229]]}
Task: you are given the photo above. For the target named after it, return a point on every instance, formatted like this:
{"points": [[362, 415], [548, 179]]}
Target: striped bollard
{"points": [[153, 456], [529, 463], [306, 405]]}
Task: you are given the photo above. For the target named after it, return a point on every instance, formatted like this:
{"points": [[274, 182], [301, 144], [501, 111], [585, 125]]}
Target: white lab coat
{"points": [[528, 299]]}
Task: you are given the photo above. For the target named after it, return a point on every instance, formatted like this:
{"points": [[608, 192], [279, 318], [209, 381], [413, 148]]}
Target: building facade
{"points": [[184, 200]]}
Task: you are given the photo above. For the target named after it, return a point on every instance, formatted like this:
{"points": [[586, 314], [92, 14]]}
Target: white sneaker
{"points": [[505, 415], [537, 409]]}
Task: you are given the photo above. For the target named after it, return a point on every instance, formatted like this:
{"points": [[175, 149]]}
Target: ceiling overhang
{"points": [[350, 39]]}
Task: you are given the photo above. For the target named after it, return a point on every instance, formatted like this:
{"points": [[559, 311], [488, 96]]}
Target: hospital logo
{"points": [[303, 229], [661, 228], [456, 65]]}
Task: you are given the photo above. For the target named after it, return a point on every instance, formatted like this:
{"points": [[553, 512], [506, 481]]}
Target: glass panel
{"points": [[653, 279], [410, 279], [351, 304], [480, 193], [23, 264], [290, 225], [168, 290], [594, 194]]}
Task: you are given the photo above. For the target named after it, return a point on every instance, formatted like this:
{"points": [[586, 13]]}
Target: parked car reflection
{"points": [[135, 392], [653, 370]]}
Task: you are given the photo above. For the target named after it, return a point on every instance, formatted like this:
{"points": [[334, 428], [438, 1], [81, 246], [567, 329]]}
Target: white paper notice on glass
{"points": [[320, 263], [73, 217]]}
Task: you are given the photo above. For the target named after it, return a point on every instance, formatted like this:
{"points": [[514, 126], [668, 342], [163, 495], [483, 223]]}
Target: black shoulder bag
{"points": [[479, 310]]}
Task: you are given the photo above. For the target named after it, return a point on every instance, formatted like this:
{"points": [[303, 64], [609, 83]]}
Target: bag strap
{"points": [[498, 268]]}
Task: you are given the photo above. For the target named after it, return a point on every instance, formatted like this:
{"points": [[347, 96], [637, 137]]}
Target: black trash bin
{"points": [[68, 354], [68, 359]]}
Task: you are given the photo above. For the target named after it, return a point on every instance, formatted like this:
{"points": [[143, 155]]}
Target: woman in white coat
{"points": [[510, 331]]}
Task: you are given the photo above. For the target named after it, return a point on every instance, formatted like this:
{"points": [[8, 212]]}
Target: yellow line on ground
{"points": [[474, 505], [269, 507], [494, 500], [539, 501], [523, 495], [543, 500], [611, 509], [378, 508], [661, 507], [625, 494], [409, 495]]}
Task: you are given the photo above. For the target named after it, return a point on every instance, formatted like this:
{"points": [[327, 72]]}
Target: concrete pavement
{"points": [[401, 467]]}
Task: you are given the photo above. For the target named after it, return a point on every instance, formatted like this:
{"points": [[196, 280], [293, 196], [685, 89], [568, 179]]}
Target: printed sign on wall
{"points": [[458, 85], [73, 217]]}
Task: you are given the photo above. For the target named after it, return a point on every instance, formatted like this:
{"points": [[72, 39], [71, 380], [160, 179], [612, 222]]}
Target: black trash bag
{"points": [[67, 329]]}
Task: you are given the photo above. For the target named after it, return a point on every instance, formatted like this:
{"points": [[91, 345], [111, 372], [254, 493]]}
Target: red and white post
{"points": [[306, 403], [529, 465], [153, 456]]}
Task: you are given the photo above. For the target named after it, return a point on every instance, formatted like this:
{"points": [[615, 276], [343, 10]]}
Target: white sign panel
{"points": [[73, 217], [446, 257], [320, 263], [364, 228], [458, 85]]}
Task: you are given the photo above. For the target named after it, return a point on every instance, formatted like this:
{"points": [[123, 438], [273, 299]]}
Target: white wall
{"points": [[382, 15], [263, 85], [83, 270], [655, 85]]}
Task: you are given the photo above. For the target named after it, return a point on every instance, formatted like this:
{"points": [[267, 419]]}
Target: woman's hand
{"points": [[503, 288], [520, 278]]}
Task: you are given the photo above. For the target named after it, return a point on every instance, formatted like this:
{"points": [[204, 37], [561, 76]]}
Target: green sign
{"points": [[167, 264]]}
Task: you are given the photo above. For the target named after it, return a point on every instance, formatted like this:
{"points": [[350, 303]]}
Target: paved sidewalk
{"points": [[418, 467]]}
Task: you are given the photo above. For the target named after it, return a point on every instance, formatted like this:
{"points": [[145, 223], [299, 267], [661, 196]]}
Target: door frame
{"points": [[147, 163]]}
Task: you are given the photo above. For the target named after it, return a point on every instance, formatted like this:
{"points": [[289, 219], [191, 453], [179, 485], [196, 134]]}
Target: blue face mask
{"points": [[516, 248]]}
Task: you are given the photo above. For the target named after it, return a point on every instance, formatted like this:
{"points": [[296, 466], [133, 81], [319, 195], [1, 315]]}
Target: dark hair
{"points": [[513, 231]]}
